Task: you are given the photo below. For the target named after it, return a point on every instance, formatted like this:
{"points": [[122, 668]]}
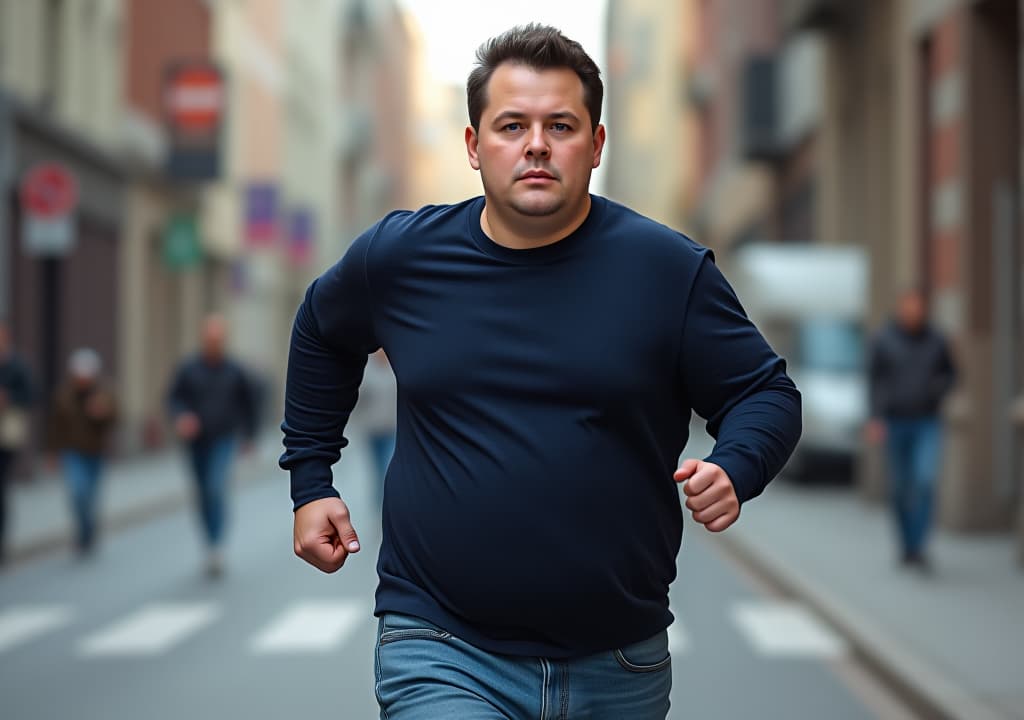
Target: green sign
{"points": [[182, 249]]}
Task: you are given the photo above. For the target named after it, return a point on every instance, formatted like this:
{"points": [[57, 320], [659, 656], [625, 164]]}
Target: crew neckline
{"points": [[532, 256]]}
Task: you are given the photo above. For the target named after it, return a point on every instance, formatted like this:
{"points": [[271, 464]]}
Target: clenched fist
{"points": [[710, 495], [324, 536]]}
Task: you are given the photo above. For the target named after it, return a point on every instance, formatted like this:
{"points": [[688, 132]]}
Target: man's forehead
{"points": [[521, 87]]}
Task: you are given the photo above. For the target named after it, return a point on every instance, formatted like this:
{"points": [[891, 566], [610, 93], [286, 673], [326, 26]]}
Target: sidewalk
{"points": [[954, 641], [132, 490]]}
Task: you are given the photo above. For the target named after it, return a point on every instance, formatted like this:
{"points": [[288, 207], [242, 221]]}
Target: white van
{"points": [[810, 302]]}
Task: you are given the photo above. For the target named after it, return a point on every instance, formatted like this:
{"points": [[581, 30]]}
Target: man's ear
{"points": [[599, 138], [471, 147]]}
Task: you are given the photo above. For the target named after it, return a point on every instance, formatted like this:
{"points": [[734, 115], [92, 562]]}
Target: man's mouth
{"points": [[536, 175]]}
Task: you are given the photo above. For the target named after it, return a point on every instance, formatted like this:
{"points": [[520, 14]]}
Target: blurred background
{"points": [[163, 160]]}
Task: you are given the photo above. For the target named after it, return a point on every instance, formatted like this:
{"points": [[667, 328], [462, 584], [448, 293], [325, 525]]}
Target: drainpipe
{"points": [[6, 179]]}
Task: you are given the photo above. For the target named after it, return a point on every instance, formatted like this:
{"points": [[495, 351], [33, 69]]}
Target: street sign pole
{"points": [[6, 181]]}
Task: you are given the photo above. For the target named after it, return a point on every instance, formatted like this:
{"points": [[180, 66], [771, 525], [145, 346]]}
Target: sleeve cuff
{"points": [[746, 476]]}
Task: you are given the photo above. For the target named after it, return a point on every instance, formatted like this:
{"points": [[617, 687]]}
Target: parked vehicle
{"points": [[810, 302]]}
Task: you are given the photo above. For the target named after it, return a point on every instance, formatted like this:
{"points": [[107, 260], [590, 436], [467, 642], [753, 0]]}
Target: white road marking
{"points": [[779, 629], [150, 631], [319, 626], [20, 624]]}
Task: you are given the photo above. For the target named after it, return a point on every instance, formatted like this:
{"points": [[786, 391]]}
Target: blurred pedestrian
{"points": [[549, 347], [212, 405], [377, 399], [15, 399], [911, 371], [82, 417]]}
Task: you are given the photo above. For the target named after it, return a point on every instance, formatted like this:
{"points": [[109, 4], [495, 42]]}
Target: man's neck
{"points": [[531, 233]]}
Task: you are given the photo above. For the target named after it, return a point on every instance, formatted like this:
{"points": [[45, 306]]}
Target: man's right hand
{"points": [[186, 425], [324, 536], [874, 431]]}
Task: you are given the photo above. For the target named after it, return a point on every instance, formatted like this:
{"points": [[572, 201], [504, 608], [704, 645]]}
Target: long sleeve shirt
{"points": [[544, 398]]}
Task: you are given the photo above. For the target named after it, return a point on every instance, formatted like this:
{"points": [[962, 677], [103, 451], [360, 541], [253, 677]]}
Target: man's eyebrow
{"points": [[517, 114], [564, 115]]}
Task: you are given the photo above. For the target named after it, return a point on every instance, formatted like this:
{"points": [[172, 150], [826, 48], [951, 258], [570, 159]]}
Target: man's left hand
{"points": [[710, 495]]}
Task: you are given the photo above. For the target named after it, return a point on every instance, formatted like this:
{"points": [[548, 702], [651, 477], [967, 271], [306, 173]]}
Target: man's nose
{"points": [[537, 144]]}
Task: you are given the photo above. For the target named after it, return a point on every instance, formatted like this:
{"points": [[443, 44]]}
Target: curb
{"points": [[929, 692]]}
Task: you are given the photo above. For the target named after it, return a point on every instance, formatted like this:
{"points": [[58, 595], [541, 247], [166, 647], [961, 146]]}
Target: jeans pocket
{"points": [[646, 656], [395, 627]]}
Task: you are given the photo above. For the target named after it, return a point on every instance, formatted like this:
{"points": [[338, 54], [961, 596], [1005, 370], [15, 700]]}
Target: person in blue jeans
{"points": [[212, 403], [910, 373], [16, 397], [549, 348], [82, 416]]}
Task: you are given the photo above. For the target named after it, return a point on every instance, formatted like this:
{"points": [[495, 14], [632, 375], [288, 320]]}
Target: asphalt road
{"points": [[139, 631]]}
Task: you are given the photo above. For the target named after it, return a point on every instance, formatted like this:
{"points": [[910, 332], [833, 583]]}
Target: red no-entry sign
{"points": [[195, 98], [49, 191], [49, 194]]}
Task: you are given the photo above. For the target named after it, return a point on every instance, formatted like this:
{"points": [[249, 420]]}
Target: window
{"points": [[830, 345]]}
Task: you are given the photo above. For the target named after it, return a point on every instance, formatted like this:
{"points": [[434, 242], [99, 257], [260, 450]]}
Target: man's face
{"points": [[214, 336], [912, 311], [535, 149]]}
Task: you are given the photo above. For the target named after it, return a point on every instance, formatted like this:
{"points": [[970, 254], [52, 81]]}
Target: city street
{"points": [[139, 631]]}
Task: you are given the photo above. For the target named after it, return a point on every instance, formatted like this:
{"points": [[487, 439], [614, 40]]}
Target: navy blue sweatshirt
{"points": [[544, 398]]}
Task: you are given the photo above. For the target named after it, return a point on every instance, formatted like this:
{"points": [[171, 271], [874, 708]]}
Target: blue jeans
{"points": [[913, 447], [425, 673], [211, 465], [82, 477]]}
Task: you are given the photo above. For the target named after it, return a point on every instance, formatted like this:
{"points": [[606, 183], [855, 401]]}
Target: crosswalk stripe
{"points": [[150, 631], [21, 624], [318, 626], [779, 629], [772, 629]]}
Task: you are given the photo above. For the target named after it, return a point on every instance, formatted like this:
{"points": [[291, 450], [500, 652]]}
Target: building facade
{"points": [[924, 166], [60, 95], [894, 126]]}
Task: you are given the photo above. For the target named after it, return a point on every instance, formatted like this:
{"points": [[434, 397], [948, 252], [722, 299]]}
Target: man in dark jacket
{"points": [[212, 403], [911, 371], [15, 398], [82, 417]]}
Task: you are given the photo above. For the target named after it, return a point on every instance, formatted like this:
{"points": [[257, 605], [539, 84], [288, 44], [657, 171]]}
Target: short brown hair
{"points": [[540, 47]]}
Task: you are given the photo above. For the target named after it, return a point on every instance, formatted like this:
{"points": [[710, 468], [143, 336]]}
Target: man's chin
{"points": [[538, 208]]}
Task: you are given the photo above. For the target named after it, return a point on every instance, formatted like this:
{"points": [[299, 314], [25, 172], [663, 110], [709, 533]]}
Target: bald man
{"points": [[212, 406]]}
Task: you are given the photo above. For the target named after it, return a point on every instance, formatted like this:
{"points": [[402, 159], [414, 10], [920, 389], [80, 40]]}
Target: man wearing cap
{"points": [[83, 414]]}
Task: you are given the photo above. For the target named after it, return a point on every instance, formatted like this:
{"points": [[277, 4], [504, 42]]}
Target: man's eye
{"points": [[512, 127], [561, 127]]}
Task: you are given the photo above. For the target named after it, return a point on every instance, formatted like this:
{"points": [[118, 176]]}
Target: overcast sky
{"points": [[453, 29]]}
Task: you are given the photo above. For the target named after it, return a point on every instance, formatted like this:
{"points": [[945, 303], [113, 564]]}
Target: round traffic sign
{"points": [[49, 190]]}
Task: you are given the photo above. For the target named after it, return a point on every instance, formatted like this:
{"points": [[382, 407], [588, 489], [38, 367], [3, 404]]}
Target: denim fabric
{"points": [[426, 673], [913, 447], [211, 464], [82, 477]]}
